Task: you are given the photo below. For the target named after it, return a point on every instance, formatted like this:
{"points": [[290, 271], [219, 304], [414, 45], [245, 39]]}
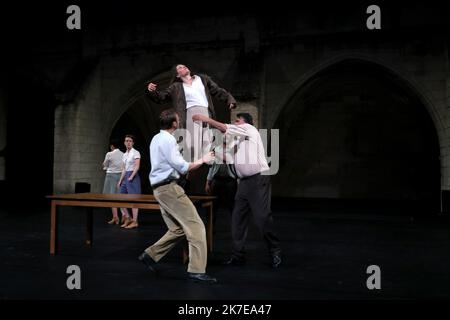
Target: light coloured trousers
{"points": [[200, 140], [182, 219]]}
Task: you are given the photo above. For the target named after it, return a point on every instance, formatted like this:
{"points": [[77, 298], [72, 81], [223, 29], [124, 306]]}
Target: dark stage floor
{"points": [[325, 257]]}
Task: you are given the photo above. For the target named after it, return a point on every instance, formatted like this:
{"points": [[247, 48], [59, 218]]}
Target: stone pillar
{"points": [[80, 142], [445, 151]]}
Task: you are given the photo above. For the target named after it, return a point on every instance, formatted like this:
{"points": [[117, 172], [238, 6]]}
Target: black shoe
{"points": [[201, 277], [234, 262], [276, 260], [148, 261]]}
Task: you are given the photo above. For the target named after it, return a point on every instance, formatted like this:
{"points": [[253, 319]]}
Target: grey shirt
{"points": [[223, 165]]}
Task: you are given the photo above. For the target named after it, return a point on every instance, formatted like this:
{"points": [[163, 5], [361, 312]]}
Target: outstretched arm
{"points": [[176, 161], [205, 159], [159, 96], [216, 124]]}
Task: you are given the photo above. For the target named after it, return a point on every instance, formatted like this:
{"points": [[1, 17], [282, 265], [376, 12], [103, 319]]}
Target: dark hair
{"points": [[130, 136], [166, 118], [246, 116], [175, 77], [115, 143]]}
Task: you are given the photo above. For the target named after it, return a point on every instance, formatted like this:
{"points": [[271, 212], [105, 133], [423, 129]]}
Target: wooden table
{"points": [[99, 200]]}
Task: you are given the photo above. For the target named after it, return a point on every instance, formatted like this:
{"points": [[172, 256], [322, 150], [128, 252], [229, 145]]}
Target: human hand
{"points": [[199, 117], [208, 187], [209, 157], [151, 87]]}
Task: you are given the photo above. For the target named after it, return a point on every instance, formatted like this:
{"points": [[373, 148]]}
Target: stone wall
{"points": [[3, 115], [264, 64]]}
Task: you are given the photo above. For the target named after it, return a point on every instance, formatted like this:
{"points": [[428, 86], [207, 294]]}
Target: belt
{"points": [[162, 183]]}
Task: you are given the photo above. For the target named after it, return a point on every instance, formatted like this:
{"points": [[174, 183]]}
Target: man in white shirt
{"points": [[177, 210], [113, 166], [254, 187]]}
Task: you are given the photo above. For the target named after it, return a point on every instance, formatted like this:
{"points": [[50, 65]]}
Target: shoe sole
{"points": [[234, 264], [203, 281], [149, 267]]}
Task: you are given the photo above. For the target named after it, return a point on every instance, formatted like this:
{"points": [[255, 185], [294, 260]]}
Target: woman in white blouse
{"points": [[129, 182]]}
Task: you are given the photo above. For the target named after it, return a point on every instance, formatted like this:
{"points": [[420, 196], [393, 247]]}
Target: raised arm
{"points": [[158, 96], [216, 124]]}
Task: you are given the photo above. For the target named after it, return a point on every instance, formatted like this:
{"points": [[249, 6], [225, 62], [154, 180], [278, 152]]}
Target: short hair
{"points": [[166, 118], [130, 136], [115, 143], [246, 116]]}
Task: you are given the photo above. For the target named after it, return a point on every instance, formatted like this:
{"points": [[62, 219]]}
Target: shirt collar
{"points": [[165, 132]]}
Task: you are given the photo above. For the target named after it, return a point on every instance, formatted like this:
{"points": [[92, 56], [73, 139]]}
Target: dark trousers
{"points": [[253, 195], [225, 191]]}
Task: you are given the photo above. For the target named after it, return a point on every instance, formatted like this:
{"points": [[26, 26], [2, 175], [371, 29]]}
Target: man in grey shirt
{"points": [[254, 187]]}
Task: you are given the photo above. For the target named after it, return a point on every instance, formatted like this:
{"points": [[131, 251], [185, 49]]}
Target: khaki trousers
{"points": [[182, 220], [200, 140]]}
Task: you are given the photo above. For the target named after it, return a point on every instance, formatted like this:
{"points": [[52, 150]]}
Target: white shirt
{"points": [[250, 157], [195, 93], [113, 161], [165, 158], [129, 159]]}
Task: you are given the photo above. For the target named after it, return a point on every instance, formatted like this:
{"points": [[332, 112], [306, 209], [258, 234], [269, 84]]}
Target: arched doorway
{"points": [[140, 120], [355, 131]]}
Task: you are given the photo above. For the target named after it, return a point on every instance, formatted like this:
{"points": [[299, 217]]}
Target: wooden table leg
{"points": [[53, 229], [89, 226]]}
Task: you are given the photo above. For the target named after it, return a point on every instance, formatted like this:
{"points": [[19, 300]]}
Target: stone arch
{"points": [[134, 93], [305, 95], [135, 114], [415, 87]]}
